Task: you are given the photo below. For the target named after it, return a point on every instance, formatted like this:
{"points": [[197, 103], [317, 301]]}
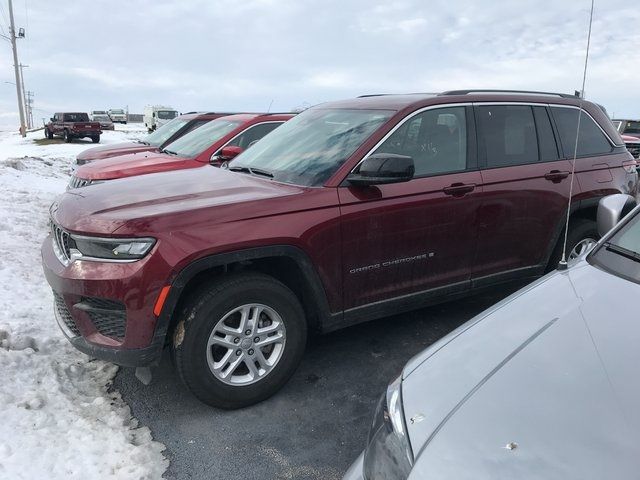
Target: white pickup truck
{"points": [[118, 115]]}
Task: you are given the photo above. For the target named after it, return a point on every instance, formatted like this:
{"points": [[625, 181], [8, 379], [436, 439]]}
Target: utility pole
{"points": [[12, 35], [24, 96]]}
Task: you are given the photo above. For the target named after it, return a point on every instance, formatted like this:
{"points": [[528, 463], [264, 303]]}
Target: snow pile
{"points": [[59, 419]]}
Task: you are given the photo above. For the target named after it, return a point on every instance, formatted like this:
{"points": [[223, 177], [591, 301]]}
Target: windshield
{"points": [[117, 111], [76, 117], [620, 254], [102, 118], [632, 127], [99, 112], [165, 132], [197, 141], [309, 148], [167, 114]]}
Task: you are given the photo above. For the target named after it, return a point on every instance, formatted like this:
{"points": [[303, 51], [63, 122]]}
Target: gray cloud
{"points": [[230, 55]]}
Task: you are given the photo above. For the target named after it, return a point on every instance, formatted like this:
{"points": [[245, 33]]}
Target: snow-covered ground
{"points": [[58, 418]]}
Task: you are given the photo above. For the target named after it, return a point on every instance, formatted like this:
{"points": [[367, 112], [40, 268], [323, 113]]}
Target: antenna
{"points": [[563, 262], [270, 103]]}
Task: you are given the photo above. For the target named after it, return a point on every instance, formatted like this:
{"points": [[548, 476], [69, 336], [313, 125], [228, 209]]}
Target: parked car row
{"points": [[346, 212]]}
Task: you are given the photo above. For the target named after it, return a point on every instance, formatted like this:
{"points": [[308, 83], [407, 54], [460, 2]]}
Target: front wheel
{"points": [[95, 139], [66, 137], [48, 133], [238, 340]]}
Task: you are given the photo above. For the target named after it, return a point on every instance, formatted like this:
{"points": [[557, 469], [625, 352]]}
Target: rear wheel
{"points": [[66, 136], [95, 139], [583, 235], [239, 340]]}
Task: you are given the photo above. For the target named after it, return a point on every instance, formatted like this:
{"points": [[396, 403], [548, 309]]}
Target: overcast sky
{"points": [[245, 54]]}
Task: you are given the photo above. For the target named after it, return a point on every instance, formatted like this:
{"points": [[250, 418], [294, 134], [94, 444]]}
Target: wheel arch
{"points": [[288, 264]]}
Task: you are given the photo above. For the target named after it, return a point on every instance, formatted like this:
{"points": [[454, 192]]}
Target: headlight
{"points": [[111, 248], [388, 454], [69, 247]]}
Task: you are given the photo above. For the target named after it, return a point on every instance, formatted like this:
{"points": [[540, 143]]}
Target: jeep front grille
{"points": [[76, 182], [62, 243]]}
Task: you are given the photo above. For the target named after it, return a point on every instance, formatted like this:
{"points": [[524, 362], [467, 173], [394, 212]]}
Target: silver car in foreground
{"points": [[545, 384]]}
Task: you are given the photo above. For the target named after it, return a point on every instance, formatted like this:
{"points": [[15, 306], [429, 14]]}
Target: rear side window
{"points": [[546, 139], [509, 134], [253, 134], [591, 141], [436, 140]]}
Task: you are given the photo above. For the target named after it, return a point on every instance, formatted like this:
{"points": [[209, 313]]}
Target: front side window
{"points": [[436, 140], [591, 140], [194, 143], [309, 148], [253, 134], [508, 133]]}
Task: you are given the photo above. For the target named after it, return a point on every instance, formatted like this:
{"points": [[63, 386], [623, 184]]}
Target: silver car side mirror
{"points": [[612, 209]]}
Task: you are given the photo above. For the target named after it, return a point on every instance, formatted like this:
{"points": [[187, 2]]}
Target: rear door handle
{"points": [[459, 189], [556, 176]]}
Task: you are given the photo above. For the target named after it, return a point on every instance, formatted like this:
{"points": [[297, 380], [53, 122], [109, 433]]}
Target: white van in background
{"points": [[117, 115], [98, 113], [157, 115]]}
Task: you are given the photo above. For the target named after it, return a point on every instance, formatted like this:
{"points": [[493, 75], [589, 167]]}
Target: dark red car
{"points": [[153, 142], [352, 210], [217, 141], [632, 144]]}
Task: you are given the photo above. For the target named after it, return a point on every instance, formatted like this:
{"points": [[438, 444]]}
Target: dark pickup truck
{"points": [[72, 125]]}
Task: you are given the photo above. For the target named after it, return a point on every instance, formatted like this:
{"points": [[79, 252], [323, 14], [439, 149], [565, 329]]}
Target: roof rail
{"points": [[525, 92], [384, 94]]}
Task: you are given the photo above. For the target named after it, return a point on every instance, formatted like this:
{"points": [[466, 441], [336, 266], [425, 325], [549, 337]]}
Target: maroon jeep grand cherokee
{"points": [[353, 210]]}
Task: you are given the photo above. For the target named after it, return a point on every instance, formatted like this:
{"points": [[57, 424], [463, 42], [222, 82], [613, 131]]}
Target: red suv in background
{"points": [[351, 211], [217, 141], [155, 141]]}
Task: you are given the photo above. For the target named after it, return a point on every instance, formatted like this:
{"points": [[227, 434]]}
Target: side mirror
{"points": [[52, 119], [612, 209], [383, 168], [226, 154]]}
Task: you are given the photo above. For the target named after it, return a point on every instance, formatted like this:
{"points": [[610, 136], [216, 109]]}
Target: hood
{"points": [[107, 151], [544, 385], [134, 164], [170, 198], [630, 138]]}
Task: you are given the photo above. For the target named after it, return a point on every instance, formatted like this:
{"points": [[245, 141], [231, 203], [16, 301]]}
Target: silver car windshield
{"points": [[620, 254]]}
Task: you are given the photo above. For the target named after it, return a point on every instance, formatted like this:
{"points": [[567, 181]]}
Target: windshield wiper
{"points": [[625, 252], [143, 142], [169, 152], [252, 171]]}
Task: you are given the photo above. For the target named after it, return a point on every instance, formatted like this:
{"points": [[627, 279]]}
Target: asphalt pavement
{"points": [[315, 426]]}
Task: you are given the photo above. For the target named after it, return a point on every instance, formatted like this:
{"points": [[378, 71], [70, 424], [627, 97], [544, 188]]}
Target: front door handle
{"points": [[459, 189], [556, 176]]}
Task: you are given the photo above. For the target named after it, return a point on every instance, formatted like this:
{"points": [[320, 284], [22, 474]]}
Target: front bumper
{"points": [[356, 469], [106, 309]]}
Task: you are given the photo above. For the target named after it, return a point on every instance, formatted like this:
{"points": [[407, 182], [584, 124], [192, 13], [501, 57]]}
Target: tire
{"points": [[204, 313], [48, 133], [95, 139], [580, 230], [66, 137]]}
